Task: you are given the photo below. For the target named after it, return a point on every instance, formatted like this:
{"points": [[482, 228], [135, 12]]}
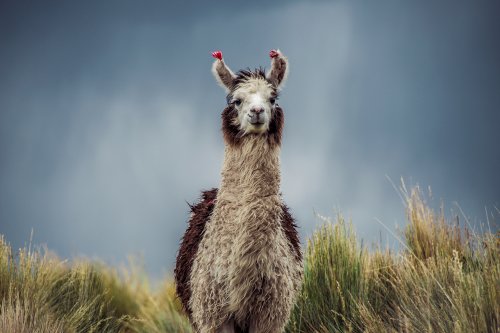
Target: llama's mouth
{"points": [[256, 120], [258, 124]]}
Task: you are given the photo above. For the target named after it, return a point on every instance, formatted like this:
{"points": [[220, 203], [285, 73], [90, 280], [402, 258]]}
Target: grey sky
{"points": [[110, 118]]}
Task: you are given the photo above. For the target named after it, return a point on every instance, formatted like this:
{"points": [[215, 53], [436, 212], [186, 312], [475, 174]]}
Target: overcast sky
{"points": [[110, 117]]}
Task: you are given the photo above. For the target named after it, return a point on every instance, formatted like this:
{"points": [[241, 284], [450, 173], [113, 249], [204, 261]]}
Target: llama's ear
{"points": [[224, 76], [279, 69]]}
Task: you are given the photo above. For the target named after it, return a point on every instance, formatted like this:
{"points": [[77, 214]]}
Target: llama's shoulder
{"points": [[206, 203], [200, 214], [290, 228]]}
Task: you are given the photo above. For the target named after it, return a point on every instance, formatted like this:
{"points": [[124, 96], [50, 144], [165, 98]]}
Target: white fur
{"points": [[253, 93]]}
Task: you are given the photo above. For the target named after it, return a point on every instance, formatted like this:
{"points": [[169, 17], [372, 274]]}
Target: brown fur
{"points": [[224, 75], [200, 215], [278, 71], [290, 228], [276, 126], [230, 130], [246, 74]]}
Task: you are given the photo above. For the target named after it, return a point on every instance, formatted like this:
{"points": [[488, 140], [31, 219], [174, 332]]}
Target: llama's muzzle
{"points": [[256, 110], [256, 118]]}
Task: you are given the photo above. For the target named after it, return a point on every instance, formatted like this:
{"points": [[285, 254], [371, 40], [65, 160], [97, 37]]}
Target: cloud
{"points": [[110, 125]]}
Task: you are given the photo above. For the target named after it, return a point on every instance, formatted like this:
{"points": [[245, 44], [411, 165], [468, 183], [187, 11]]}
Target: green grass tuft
{"points": [[333, 280]]}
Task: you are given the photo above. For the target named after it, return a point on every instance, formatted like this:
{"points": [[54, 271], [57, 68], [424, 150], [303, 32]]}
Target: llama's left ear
{"points": [[279, 69], [224, 76]]}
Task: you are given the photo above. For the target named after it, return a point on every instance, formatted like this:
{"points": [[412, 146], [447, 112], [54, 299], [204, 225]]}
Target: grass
{"points": [[40, 293], [446, 278]]}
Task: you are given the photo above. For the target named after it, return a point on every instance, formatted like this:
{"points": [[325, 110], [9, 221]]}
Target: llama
{"points": [[239, 266]]}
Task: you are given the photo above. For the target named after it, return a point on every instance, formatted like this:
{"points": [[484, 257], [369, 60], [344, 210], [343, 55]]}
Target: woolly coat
{"points": [[240, 258]]}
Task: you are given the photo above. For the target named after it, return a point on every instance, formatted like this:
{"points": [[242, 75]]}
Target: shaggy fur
{"points": [[200, 214], [290, 228], [245, 74], [245, 267], [239, 267]]}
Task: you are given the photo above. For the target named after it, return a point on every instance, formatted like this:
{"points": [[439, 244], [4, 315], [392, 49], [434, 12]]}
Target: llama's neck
{"points": [[251, 169]]}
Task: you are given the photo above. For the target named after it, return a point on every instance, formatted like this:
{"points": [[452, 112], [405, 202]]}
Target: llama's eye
{"points": [[237, 102], [272, 100]]}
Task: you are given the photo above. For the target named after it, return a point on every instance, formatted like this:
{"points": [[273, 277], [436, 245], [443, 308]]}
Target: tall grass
{"points": [[40, 293], [446, 278], [333, 280]]}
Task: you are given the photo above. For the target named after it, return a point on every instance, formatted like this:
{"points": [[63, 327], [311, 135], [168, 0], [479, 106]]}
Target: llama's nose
{"points": [[257, 110]]}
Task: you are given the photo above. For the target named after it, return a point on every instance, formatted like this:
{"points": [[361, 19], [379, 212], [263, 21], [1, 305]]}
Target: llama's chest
{"points": [[242, 235], [244, 260]]}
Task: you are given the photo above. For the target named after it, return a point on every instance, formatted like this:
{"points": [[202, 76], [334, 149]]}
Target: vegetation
{"points": [[445, 279], [42, 294]]}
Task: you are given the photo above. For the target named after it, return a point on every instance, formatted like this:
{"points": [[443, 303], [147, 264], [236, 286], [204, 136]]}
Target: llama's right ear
{"points": [[224, 76]]}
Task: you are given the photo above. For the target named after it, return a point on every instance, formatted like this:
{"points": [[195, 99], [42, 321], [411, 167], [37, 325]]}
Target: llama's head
{"points": [[251, 97]]}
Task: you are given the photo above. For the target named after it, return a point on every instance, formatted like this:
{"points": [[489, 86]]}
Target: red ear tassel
{"points": [[273, 53], [217, 54]]}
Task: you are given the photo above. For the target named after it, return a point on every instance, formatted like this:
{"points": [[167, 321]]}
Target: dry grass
{"points": [[40, 293], [446, 279]]}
